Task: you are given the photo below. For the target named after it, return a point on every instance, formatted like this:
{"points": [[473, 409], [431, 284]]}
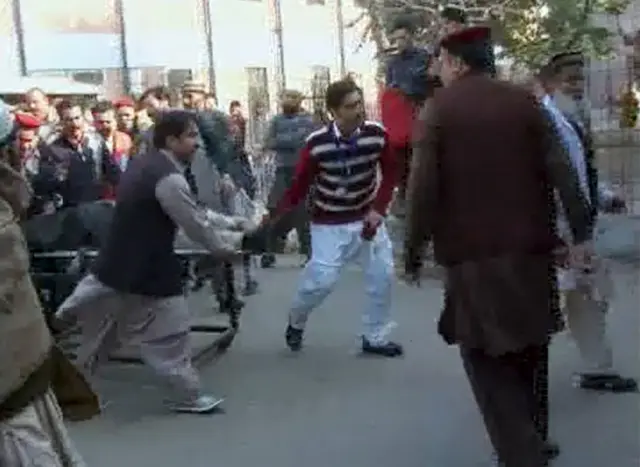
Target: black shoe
{"points": [[250, 288], [390, 349], [268, 260], [255, 242], [237, 306], [607, 383], [551, 450], [294, 338]]}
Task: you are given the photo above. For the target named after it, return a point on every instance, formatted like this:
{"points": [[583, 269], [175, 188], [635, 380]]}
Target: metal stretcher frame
{"points": [[224, 334]]}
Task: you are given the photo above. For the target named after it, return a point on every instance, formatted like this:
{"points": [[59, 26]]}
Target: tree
{"points": [[529, 31]]}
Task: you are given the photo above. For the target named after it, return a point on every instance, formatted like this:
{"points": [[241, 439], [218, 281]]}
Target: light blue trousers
{"points": [[332, 247]]}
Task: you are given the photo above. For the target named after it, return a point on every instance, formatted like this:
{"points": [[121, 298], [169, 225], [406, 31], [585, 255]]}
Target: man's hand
{"points": [[242, 223], [373, 219], [581, 256], [227, 184]]}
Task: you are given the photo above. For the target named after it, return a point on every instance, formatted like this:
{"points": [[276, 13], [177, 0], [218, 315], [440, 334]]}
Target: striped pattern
{"points": [[346, 173]]}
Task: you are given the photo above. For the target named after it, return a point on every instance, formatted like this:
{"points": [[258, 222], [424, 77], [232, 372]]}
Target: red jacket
{"points": [[120, 154], [397, 116]]}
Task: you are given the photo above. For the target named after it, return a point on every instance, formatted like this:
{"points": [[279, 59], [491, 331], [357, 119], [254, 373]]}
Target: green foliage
{"points": [[528, 30]]}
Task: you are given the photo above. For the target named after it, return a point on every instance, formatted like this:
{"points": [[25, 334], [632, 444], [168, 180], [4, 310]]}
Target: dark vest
{"points": [[138, 256], [590, 163]]}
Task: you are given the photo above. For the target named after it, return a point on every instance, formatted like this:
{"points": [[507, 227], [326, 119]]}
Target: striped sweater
{"points": [[347, 177]]}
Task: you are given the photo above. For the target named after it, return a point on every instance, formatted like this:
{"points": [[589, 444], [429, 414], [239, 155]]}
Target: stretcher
{"points": [[55, 274]]}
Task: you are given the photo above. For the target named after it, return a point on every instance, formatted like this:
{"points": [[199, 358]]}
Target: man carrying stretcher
{"points": [[135, 291]]}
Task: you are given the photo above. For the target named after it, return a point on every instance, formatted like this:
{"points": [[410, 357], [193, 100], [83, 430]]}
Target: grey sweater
{"points": [[286, 136]]}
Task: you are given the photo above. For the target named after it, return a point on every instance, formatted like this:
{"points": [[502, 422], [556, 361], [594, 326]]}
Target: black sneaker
{"points": [[268, 260], [607, 383], [255, 241], [551, 450], [294, 337], [250, 288], [390, 349]]}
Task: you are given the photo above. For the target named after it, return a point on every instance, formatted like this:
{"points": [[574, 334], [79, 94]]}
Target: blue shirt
{"points": [[407, 71]]}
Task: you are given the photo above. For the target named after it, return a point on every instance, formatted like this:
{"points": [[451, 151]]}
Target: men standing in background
{"points": [[87, 171], [491, 218], [38, 104], [286, 136], [125, 109], [116, 145], [153, 101]]}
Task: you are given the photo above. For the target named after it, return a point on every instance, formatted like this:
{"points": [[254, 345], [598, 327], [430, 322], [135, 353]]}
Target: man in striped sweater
{"points": [[349, 171]]}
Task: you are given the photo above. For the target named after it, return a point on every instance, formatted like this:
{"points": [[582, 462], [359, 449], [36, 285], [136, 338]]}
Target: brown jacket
{"points": [[24, 337], [486, 162], [29, 365]]}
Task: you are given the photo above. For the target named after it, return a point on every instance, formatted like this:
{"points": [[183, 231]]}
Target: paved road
{"points": [[331, 407]]}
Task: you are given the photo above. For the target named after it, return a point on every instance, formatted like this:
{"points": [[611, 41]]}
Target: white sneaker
{"points": [[202, 404]]}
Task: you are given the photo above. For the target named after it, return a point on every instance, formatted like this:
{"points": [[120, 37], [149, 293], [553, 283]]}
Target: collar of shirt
{"points": [[181, 166], [571, 141], [338, 134]]}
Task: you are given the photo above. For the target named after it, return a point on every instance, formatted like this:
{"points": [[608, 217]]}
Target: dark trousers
{"points": [[295, 219], [511, 391]]}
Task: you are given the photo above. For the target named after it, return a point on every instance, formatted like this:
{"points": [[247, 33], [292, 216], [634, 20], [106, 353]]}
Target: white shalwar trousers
{"points": [[334, 246], [585, 300], [158, 327]]}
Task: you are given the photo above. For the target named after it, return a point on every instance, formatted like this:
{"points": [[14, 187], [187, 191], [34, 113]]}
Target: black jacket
{"points": [[85, 179]]}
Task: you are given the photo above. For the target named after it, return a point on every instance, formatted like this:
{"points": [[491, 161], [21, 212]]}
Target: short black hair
{"points": [[234, 104], [454, 14], [67, 104], [171, 123], [102, 107], [162, 93], [403, 22], [338, 90]]}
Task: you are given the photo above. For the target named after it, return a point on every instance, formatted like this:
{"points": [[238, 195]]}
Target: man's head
{"points": [[72, 119], [235, 108], [291, 102], [193, 95], [544, 82], [37, 103], [125, 113], [176, 131], [28, 139], [344, 101], [464, 52], [104, 118], [569, 70], [401, 34], [155, 100], [453, 19]]}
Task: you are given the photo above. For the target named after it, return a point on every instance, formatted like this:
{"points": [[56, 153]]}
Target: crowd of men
{"points": [[514, 234]]}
